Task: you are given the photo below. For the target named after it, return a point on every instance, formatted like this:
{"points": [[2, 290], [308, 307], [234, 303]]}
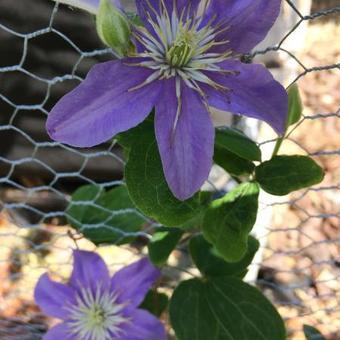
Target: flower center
{"points": [[178, 45], [180, 53], [95, 315]]}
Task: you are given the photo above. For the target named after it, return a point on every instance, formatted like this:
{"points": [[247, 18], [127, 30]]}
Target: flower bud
{"points": [[113, 27]]}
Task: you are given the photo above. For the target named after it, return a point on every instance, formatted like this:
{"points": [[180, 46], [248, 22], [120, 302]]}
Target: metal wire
{"points": [[34, 239]]}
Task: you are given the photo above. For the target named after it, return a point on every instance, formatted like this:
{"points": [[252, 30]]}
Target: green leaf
{"points": [[210, 263], [155, 302], [294, 105], [228, 221], [104, 217], [223, 308], [232, 163], [194, 223], [311, 333], [238, 143], [205, 198], [163, 242], [128, 138], [284, 174], [146, 183]]}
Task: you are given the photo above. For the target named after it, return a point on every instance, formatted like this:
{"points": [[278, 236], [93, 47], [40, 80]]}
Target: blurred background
{"points": [[46, 49]]}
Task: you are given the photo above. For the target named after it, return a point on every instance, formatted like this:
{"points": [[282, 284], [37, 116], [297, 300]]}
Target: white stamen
{"points": [[95, 315], [148, 80], [181, 48]]}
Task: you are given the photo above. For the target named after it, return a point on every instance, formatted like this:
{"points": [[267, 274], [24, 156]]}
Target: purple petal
{"points": [[89, 270], [249, 21], [143, 326], [88, 5], [103, 104], [254, 93], [59, 332], [52, 297], [183, 6], [133, 282], [186, 149]]}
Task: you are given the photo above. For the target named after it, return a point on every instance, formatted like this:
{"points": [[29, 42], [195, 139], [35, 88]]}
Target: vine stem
{"points": [[278, 146]]}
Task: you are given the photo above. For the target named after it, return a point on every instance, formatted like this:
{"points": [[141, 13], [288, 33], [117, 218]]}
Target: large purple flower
{"points": [[186, 61], [94, 306]]}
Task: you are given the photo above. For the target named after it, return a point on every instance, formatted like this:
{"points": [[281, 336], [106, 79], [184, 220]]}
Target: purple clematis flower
{"points": [[94, 306], [186, 62]]}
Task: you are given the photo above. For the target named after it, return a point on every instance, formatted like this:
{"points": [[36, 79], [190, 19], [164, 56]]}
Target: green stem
{"points": [[277, 146]]}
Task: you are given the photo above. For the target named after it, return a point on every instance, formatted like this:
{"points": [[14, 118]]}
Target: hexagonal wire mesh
{"points": [[46, 49]]}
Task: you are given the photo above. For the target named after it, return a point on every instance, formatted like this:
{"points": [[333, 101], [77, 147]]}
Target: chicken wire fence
{"points": [[45, 50]]}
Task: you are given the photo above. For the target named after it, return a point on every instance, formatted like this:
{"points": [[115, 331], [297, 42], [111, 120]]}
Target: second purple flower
{"points": [[93, 306]]}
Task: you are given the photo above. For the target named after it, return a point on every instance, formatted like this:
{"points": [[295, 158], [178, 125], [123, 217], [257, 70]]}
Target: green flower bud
{"points": [[113, 27]]}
